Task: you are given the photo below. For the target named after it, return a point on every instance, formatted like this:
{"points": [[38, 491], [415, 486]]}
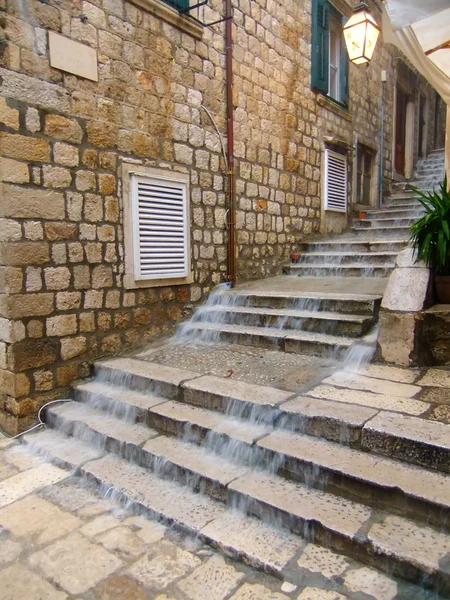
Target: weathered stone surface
{"points": [[27, 253], [75, 563], [72, 347], [9, 116], [16, 581], [31, 517], [397, 337], [256, 591], [31, 305], [19, 202], [22, 484], [14, 171], [322, 561], [61, 325], [311, 593], [102, 134], [29, 354], [25, 147], [424, 546], [407, 289], [215, 575], [63, 128], [165, 564], [372, 583], [408, 438]]}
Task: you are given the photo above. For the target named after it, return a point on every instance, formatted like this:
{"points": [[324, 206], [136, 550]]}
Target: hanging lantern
{"points": [[361, 33]]}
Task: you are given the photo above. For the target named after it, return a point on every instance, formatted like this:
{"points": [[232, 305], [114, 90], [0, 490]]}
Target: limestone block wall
{"points": [[64, 140]]}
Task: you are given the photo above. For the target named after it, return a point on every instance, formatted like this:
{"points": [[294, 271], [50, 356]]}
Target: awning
{"points": [[421, 29]]}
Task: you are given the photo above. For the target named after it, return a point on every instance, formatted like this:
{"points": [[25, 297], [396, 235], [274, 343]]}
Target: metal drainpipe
{"points": [[231, 212]]}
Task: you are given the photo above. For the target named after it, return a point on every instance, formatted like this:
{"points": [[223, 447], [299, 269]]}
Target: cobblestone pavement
{"points": [[59, 539]]}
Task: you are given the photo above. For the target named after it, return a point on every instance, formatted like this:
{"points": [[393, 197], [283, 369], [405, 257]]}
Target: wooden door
{"points": [[400, 131]]}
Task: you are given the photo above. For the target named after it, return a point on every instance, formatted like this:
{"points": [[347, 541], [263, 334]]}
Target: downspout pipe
{"points": [[380, 199], [231, 176]]}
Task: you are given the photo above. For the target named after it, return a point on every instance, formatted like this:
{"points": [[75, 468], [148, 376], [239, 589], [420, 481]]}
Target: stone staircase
{"points": [[317, 488], [302, 316]]}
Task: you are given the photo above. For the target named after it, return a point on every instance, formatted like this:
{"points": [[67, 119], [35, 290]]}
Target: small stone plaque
{"points": [[72, 57]]}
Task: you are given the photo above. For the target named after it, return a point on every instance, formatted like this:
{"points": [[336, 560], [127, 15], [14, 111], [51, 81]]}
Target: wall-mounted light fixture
{"points": [[361, 34]]}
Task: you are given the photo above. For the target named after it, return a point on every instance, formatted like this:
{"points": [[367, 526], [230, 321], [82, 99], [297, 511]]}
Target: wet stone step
{"points": [[357, 245], [301, 342], [99, 429], [123, 403], [421, 442], [357, 304], [343, 270], [286, 319], [366, 478], [341, 258], [265, 546]]}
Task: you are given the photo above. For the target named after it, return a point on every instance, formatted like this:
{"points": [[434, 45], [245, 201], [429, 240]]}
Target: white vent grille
{"points": [[160, 228], [335, 181]]}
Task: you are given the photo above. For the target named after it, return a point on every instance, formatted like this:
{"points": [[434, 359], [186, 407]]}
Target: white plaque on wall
{"points": [[72, 57]]}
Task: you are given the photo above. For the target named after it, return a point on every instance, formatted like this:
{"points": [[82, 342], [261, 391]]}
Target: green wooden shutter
{"points": [[320, 46], [178, 4], [343, 85]]}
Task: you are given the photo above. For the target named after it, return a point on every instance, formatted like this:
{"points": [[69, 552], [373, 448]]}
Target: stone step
{"points": [[299, 342], [358, 304], [394, 212], [357, 245], [345, 270], [341, 258], [286, 319], [388, 229], [334, 420], [265, 546], [378, 482], [386, 222]]}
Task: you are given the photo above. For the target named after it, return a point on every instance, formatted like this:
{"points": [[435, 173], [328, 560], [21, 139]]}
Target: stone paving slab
{"points": [[24, 483], [370, 399]]}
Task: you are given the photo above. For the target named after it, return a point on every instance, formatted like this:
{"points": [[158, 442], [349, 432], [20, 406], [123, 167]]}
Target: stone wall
{"points": [[64, 140]]}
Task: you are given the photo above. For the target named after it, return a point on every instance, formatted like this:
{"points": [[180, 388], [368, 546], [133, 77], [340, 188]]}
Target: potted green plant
{"points": [[430, 237]]}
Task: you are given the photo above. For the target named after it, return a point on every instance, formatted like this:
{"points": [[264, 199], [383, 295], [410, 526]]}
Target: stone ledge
{"points": [[334, 107], [170, 15]]}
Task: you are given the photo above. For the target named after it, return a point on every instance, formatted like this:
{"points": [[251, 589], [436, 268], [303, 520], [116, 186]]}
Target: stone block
{"points": [[27, 253], [32, 120], [407, 290], [61, 325], [90, 158], [145, 145], [26, 203], [93, 208], [56, 177], [31, 305], [68, 300], [43, 380], [82, 277], [34, 279], [65, 375], [93, 299], [73, 347], [60, 230], [57, 278], [16, 581], [8, 116], [65, 154], [35, 328], [103, 135], [11, 279], [32, 354], [85, 180], [34, 91], [102, 277], [106, 183], [397, 337], [33, 230], [111, 343], [14, 171], [24, 147], [93, 252], [63, 128]]}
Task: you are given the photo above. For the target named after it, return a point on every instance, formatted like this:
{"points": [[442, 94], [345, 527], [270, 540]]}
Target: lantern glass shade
{"points": [[361, 34]]}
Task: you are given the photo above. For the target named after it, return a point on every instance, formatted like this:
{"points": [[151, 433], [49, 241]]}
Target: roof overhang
{"points": [[421, 29]]}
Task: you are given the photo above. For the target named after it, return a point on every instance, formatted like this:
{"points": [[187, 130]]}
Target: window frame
{"points": [[323, 12], [131, 279]]}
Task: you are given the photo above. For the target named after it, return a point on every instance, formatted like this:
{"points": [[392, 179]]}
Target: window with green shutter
{"points": [[178, 4], [329, 62]]}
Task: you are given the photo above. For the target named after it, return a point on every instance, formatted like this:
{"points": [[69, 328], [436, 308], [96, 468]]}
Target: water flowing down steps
{"points": [[350, 470]]}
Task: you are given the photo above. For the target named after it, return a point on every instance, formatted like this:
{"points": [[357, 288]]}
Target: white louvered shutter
{"points": [[160, 227], [335, 181]]}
